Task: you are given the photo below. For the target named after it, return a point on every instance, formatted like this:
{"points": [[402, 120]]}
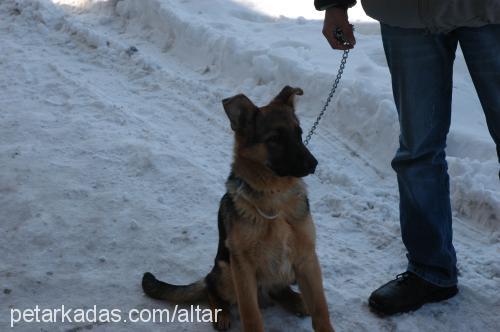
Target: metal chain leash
{"points": [[330, 95]]}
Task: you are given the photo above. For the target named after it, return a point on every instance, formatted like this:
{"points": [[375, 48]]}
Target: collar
{"points": [[244, 190]]}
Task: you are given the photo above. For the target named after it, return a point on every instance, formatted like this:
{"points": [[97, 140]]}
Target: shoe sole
{"points": [[381, 311]]}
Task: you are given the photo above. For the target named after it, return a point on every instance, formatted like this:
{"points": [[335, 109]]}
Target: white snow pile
{"points": [[114, 149]]}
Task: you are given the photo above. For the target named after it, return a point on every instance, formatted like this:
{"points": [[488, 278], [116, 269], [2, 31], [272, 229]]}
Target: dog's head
{"points": [[270, 135]]}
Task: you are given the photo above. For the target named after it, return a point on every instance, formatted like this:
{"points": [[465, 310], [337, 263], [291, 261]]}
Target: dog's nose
{"points": [[311, 164]]}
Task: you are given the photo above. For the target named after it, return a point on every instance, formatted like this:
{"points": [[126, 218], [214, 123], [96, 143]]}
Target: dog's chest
{"points": [[274, 255]]}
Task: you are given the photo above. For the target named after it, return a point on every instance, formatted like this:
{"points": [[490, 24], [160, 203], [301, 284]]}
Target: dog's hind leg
{"points": [[221, 314], [289, 300]]}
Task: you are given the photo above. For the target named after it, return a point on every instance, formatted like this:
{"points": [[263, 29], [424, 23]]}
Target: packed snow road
{"points": [[114, 149]]}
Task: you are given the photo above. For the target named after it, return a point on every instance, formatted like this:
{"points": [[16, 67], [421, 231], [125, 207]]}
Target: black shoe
{"points": [[406, 293]]}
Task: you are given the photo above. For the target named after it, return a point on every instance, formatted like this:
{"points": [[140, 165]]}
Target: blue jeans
{"points": [[421, 66]]}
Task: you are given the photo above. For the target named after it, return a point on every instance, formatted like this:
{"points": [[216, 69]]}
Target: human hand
{"points": [[336, 17]]}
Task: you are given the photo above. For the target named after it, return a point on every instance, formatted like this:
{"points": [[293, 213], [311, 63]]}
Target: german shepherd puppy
{"points": [[266, 233]]}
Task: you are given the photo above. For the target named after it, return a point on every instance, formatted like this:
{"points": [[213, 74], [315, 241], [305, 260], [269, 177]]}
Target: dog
{"points": [[266, 233]]}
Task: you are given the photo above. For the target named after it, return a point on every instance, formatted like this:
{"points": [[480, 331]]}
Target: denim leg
{"points": [[421, 66], [481, 48]]}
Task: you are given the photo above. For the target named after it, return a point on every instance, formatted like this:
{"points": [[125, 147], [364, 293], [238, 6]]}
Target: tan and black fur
{"points": [[266, 233]]}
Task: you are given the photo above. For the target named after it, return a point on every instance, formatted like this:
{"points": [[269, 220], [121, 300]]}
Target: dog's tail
{"points": [[192, 293]]}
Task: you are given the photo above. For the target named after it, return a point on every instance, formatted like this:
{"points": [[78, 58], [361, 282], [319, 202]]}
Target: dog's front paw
{"points": [[223, 321], [324, 328]]}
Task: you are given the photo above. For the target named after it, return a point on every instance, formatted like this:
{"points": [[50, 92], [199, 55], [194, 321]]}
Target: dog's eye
{"points": [[273, 139]]}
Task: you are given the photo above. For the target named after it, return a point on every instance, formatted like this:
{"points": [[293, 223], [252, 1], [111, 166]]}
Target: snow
{"points": [[114, 149], [297, 9]]}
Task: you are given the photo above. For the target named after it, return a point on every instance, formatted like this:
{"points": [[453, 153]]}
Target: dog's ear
{"points": [[287, 95], [239, 110]]}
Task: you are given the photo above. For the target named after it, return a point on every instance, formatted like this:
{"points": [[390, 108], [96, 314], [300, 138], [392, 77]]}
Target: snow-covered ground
{"points": [[114, 149]]}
